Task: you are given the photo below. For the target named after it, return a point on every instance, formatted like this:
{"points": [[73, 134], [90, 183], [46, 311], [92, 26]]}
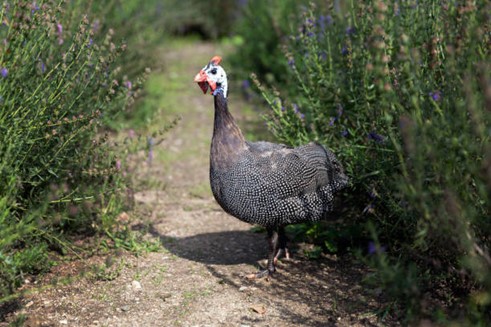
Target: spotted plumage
{"points": [[274, 185], [264, 183]]}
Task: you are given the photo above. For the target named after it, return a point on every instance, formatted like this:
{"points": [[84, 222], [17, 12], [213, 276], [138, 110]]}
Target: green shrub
{"points": [[208, 19], [400, 91], [264, 27], [139, 24], [58, 173]]}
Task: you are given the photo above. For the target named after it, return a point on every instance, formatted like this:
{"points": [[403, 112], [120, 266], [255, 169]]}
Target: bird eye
{"points": [[214, 71]]}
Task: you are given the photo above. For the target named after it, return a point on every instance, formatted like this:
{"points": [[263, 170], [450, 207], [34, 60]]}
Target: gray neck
{"points": [[227, 142]]}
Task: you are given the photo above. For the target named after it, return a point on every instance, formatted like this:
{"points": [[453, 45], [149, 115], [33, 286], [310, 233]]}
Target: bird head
{"points": [[212, 77]]}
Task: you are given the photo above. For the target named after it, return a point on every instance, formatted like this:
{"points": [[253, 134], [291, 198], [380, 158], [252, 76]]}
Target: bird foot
{"points": [[280, 253], [262, 274]]}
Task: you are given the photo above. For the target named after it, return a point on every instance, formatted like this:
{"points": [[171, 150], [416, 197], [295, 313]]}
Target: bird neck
{"points": [[228, 141]]}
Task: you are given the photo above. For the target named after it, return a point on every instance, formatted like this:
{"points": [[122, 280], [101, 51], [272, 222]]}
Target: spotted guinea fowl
{"points": [[267, 184]]}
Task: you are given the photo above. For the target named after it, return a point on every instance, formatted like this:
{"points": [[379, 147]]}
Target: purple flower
{"points": [[34, 7], [295, 108], [150, 142], [344, 133], [372, 248], [376, 137], [344, 51], [436, 95], [246, 84], [59, 29], [302, 116], [323, 55], [118, 164], [128, 85], [95, 26], [4, 72], [340, 110], [350, 30], [329, 20], [397, 10], [283, 109], [332, 120], [291, 62], [42, 66], [310, 34], [324, 21]]}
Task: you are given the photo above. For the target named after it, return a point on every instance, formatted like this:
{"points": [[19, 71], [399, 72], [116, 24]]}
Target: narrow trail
{"points": [[197, 280]]}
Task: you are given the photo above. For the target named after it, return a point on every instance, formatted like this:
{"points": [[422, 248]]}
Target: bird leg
{"points": [[282, 248], [273, 249]]}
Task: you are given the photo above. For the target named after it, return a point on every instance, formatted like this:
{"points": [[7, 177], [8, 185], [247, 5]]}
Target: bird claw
{"points": [[263, 273], [280, 253]]}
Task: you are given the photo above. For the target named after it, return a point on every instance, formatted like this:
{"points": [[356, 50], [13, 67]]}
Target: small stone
{"points": [[64, 322], [28, 304], [135, 285], [243, 288], [123, 218], [165, 296], [258, 308], [125, 308]]}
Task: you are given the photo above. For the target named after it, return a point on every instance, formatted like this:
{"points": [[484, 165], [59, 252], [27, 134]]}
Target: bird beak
{"points": [[204, 82]]}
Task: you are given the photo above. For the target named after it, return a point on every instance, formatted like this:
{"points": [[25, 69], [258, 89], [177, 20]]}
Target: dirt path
{"points": [[197, 279]]}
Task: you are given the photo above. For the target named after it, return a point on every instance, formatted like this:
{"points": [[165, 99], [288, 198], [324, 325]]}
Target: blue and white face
{"points": [[212, 76]]}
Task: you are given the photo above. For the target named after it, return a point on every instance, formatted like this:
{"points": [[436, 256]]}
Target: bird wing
{"points": [[291, 171], [262, 146], [316, 172], [317, 162]]}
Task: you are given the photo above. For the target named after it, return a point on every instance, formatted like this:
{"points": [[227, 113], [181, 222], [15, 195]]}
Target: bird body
{"points": [[265, 183]]}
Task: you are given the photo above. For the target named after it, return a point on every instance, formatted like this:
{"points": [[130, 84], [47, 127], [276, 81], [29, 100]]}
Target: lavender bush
{"points": [[401, 92], [58, 173]]}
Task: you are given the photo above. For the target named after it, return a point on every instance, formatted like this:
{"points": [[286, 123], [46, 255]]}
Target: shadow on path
{"points": [[217, 248], [324, 292], [8, 307]]}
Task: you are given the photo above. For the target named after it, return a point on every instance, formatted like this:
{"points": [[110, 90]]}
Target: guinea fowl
{"points": [[268, 184]]}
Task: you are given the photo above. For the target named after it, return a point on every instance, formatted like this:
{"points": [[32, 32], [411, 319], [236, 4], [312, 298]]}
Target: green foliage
{"points": [[264, 26], [209, 19], [58, 174], [140, 25], [108, 271], [400, 92]]}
